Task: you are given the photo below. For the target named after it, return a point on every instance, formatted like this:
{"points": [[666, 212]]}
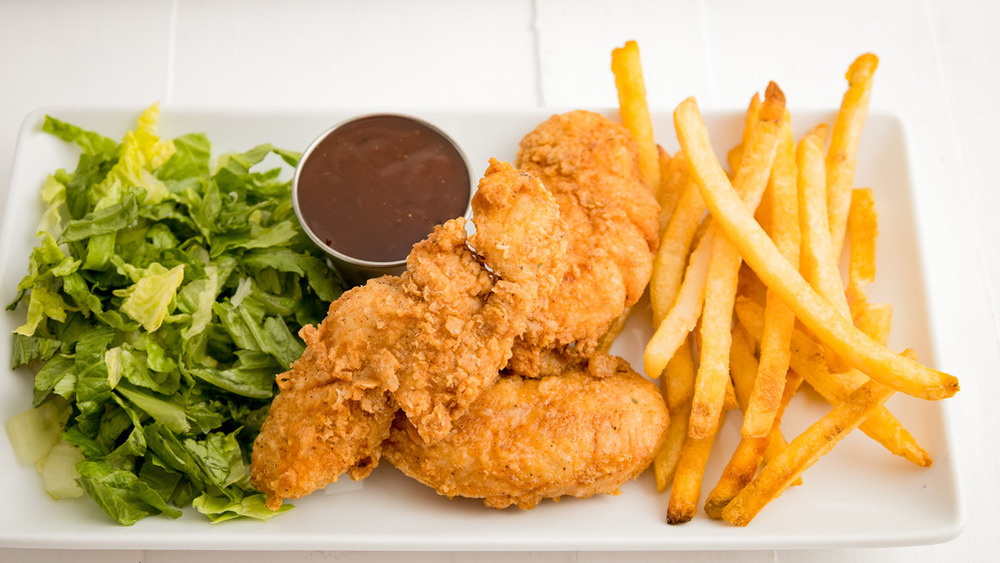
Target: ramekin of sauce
{"points": [[369, 188]]}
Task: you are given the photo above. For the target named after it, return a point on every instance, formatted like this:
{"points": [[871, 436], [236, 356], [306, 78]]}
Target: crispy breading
{"points": [[525, 439], [591, 166], [427, 342]]}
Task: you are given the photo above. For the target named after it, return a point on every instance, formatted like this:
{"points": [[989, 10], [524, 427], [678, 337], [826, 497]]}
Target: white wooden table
{"points": [[938, 72]]}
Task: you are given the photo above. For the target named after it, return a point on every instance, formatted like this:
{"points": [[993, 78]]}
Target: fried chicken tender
{"points": [[426, 343], [591, 166], [525, 439]]}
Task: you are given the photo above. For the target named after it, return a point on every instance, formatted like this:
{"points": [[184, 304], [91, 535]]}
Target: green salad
{"points": [[163, 296]]}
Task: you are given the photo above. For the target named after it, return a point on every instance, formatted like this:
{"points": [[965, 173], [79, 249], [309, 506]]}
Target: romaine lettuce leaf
{"points": [[220, 508], [121, 494], [162, 299], [92, 143], [148, 300]]}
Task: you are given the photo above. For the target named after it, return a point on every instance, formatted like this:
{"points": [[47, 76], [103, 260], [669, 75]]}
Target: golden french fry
{"points": [[720, 288], [750, 452], [677, 304], [779, 321], [750, 286], [669, 455], [776, 440], [751, 117], [671, 186], [716, 323], [835, 331], [739, 471], [679, 380], [683, 315], [627, 68], [735, 155], [664, 160], [760, 146], [729, 401], [841, 158], [804, 451], [862, 234], [818, 265], [875, 321], [809, 361], [763, 213], [742, 365], [677, 386], [675, 243], [744, 370], [746, 459], [686, 489]]}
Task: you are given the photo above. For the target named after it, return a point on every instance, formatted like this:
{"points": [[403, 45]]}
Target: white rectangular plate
{"points": [[858, 495]]}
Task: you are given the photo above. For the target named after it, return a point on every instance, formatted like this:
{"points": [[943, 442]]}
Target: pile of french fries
{"points": [[749, 301]]}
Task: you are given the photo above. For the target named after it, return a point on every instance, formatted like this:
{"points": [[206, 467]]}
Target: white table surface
{"points": [[938, 72]]}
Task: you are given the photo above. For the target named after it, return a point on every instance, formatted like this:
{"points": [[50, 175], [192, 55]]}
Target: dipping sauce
{"points": [[372, 187]]}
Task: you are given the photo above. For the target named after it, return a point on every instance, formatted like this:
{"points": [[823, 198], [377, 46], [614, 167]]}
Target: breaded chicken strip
{"points": [[578, 434], [427, 342], [591, 166]]}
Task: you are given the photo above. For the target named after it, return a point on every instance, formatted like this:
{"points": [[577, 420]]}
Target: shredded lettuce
{"points": [[163, 297]]}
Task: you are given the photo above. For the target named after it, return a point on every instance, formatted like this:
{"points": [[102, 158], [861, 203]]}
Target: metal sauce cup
{"points": [[357, 270]]}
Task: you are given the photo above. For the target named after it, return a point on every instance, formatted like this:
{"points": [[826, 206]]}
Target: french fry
{"points": [[750, 118], [627, 68], [683, 315], [875, 321], [671, 186], [729, 397], [862, 234], [841, 159], [669, 455], [716, 323], [742, 365], [675, 243], [818, 265], [750, 452], [679, 382], [686, 489], [827, 280], [775, 263], [720, 289], [804, 451], [677, 387], [835, 331], [779, 321], [808, 360], [735, 155], [750, 286], [744, 370], [746, 459], [677, 301], [776, 442], [738, 472]]}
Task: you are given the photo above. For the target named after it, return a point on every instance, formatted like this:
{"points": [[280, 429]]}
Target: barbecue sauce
{"points": [[374, 186]]}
